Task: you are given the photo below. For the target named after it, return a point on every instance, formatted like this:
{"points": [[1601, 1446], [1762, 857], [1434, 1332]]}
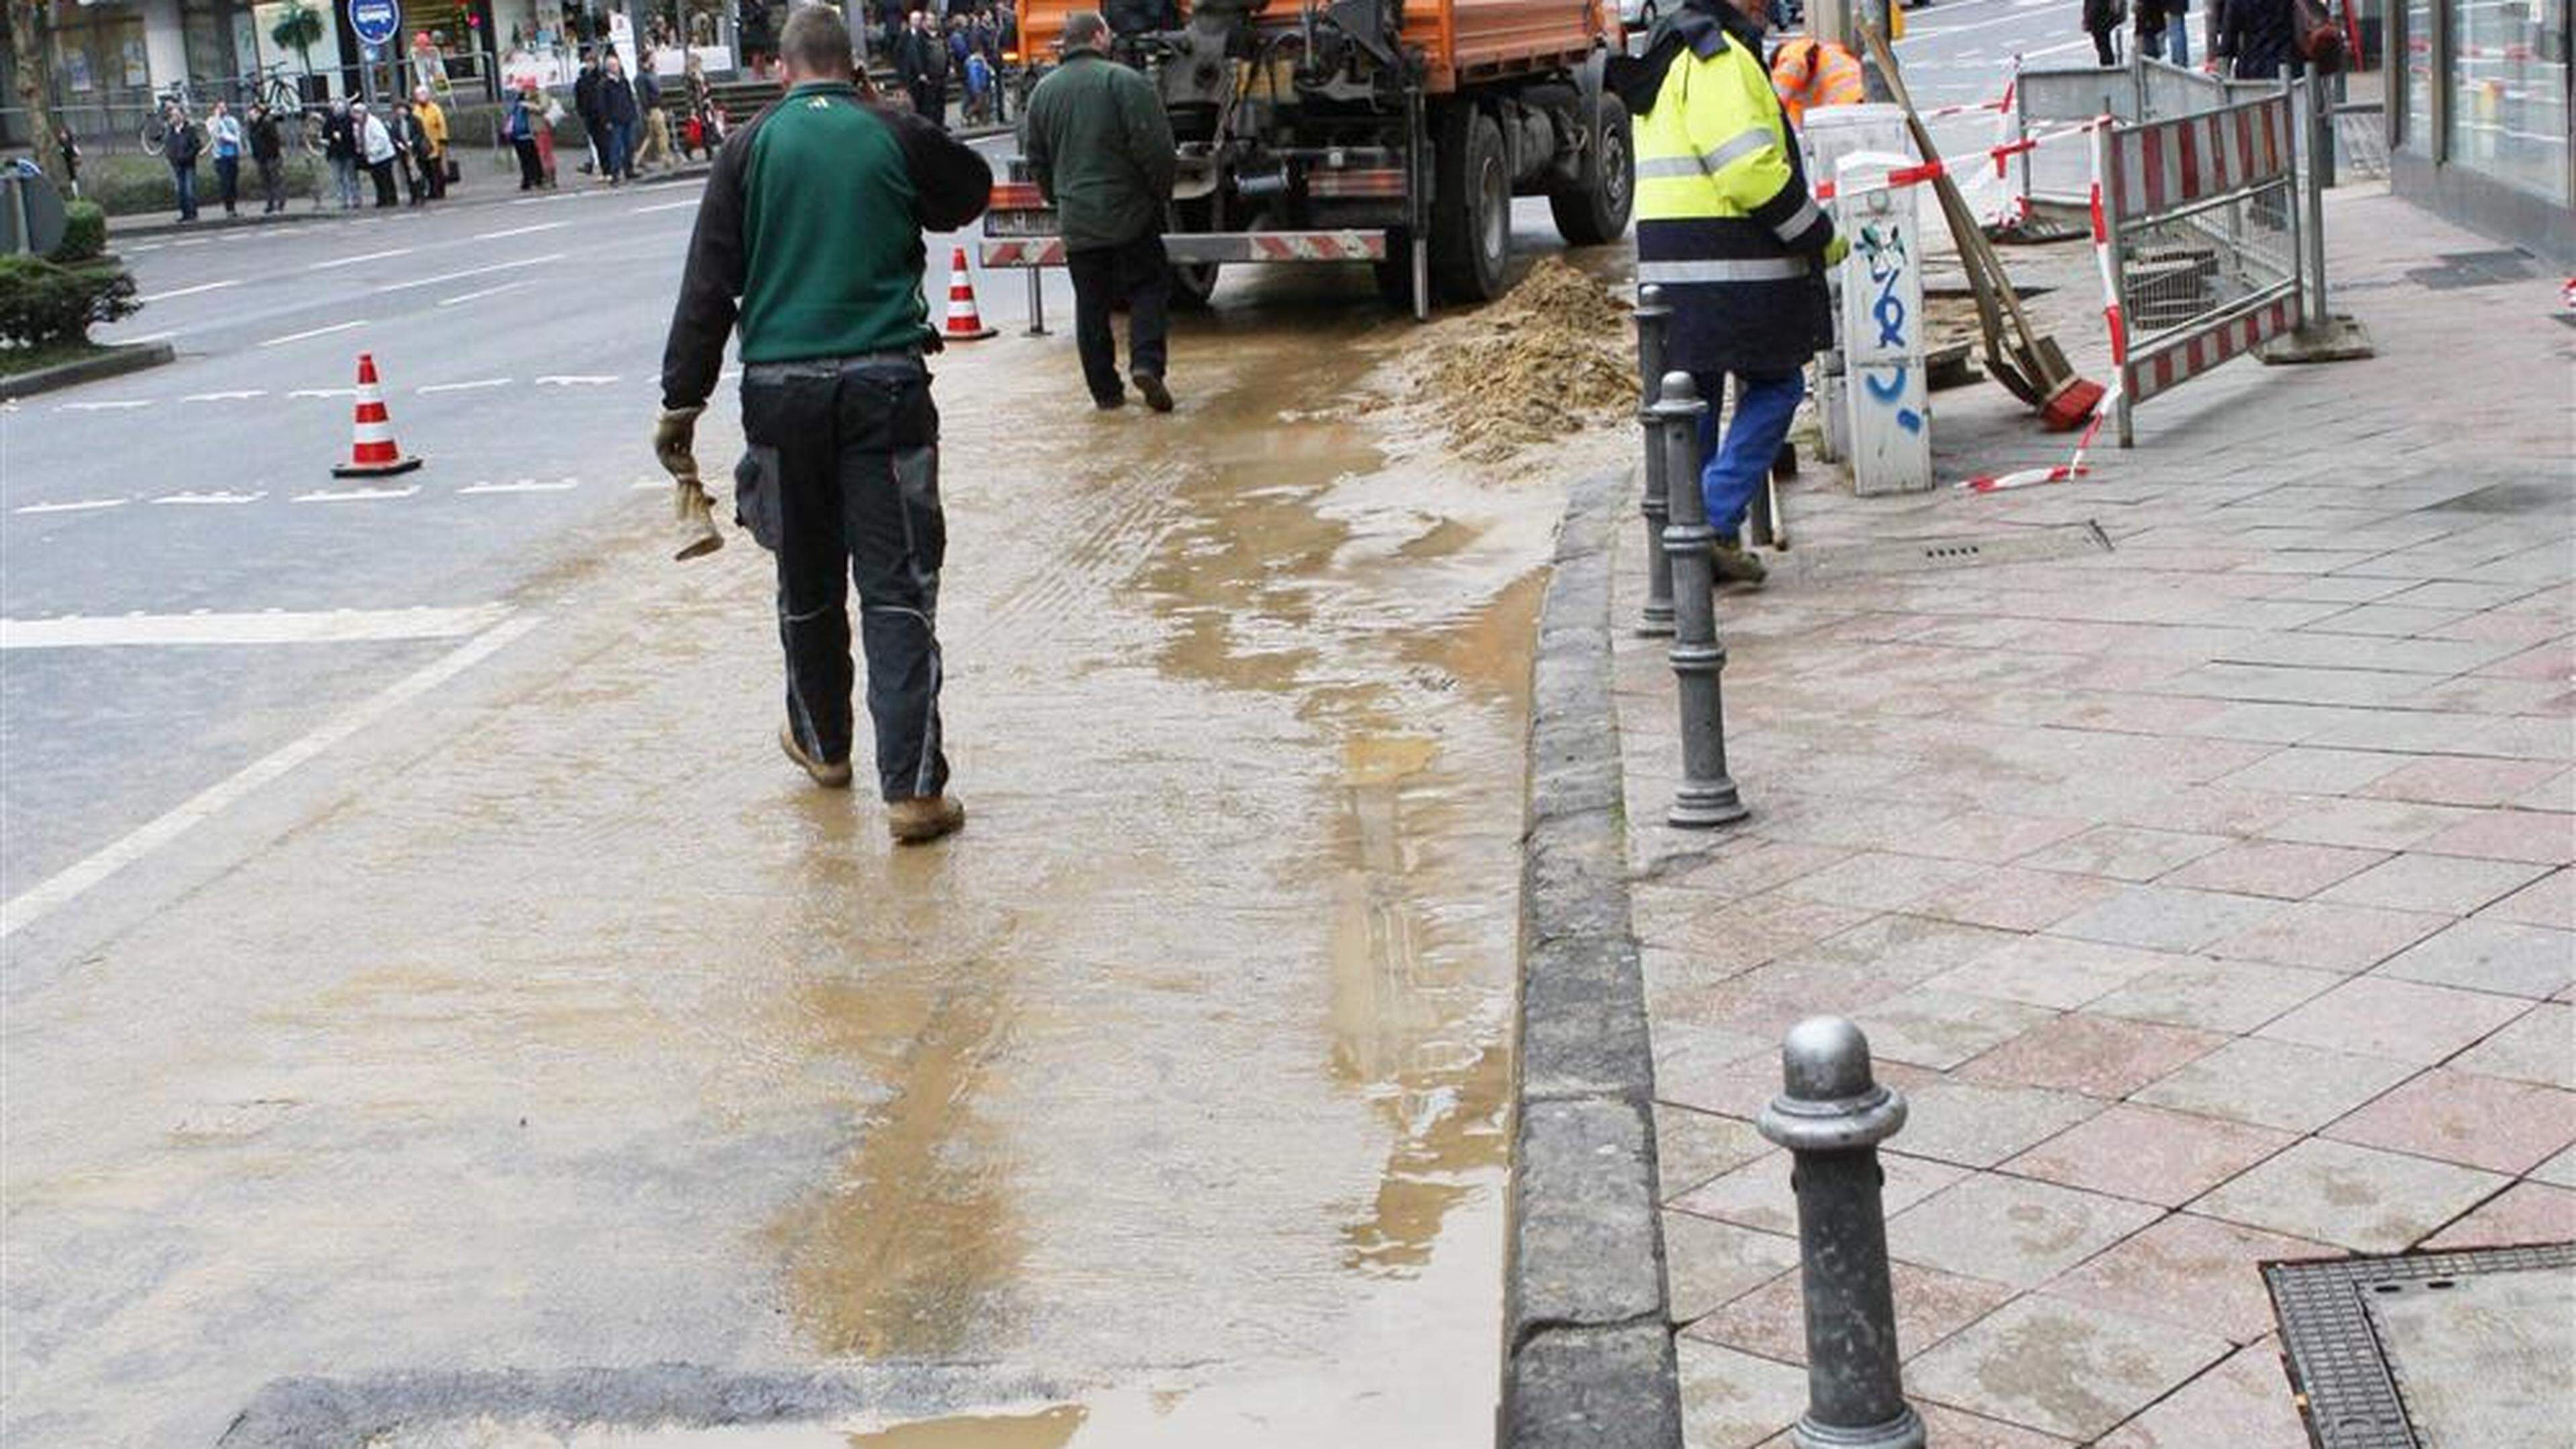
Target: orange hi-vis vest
{"points": [[1809, 73]]}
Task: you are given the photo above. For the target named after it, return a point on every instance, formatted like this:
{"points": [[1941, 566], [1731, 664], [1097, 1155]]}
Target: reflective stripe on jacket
{"points": [[1724, 222], [1808, 73]]}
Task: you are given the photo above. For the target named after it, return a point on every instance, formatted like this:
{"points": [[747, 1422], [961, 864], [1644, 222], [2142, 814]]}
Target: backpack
{"points": [[2319, 38]]}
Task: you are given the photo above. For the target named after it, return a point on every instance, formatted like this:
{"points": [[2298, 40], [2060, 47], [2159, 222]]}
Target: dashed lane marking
{"points": [[360, 259], [77, 505], [269, 626], [243, 395], [118, 405], [216, 498], [482, 271], [315, 332], [477, 383], [578, 379], [356, 495], [520, 230], [474, 296], [661, 206], [187, 291], [523, 485], [323, 392]]}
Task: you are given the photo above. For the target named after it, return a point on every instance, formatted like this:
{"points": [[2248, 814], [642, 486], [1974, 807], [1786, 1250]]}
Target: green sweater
{"points": [[1100, 148], [809, 235]]}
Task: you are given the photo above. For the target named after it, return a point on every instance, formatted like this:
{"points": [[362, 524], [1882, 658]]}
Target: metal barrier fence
{"points": [[2199, 218], [2047, 98]]}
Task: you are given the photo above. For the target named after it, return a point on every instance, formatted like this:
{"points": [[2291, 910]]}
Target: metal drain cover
{"points": [[1965, 550], [2432, 1351]]}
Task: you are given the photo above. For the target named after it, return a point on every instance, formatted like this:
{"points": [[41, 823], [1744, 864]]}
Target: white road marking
{"points": [[323, 392], [524, 485], [480, 382], [476, 296], [355, 495], [193, 242], [52, 894], [641, 484], [269, 626], [482, 271], [78, 505], [360, 259], [209, 499], [578, 379], [149, 337], [189, 291], [102, 407], [519, 230], [243, 395], [316, 332], [661, 206]]}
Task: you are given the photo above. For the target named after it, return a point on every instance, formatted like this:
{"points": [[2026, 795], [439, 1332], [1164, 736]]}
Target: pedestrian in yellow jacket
{"points": [[433, 125]]}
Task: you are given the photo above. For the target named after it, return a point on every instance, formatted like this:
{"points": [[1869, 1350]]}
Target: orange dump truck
{"points": [[1392, 132]]}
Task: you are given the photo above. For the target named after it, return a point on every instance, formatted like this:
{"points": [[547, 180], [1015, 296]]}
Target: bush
{"points": [[136, 185], [42, 302], [84, 233]]}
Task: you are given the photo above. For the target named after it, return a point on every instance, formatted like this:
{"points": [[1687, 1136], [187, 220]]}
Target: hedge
{"points": [[42, 302], [84, 233]]}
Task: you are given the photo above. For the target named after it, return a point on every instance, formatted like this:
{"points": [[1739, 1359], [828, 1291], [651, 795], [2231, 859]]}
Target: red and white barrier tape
{"points": [[1918, 174]]}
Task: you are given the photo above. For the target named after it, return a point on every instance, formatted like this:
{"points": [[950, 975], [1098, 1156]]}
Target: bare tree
{"points": [[27, 43]]}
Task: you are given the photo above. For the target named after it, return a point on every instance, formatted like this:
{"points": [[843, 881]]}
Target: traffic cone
{"points": [[372, 453], [964, 324]]}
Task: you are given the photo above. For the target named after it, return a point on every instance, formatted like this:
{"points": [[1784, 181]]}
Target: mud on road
{"points": [[562, 1065]]}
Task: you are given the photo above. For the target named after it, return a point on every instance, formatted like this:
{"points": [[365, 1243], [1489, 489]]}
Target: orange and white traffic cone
{"points": [[372, 453], [964, 323]]}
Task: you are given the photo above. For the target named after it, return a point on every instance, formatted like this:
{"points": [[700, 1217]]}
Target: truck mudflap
{"points": [[1363, 245]]}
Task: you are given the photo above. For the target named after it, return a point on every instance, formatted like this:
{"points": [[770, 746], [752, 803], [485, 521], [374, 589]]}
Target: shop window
{"points": [[2508, 93]]}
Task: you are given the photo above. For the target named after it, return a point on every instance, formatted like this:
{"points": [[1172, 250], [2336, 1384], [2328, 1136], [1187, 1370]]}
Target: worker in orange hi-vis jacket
{"points": [[1809, 73]]}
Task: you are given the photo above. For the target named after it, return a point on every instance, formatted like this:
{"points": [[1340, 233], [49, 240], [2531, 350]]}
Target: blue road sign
{"points": [[377, 22]]}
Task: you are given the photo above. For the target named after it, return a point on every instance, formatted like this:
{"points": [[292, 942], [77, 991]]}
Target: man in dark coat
{"points": [[585, 104], [2257, 39], [921, 63]]}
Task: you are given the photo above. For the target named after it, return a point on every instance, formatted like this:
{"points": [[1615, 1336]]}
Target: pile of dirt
{"points": [[1555, 354]]}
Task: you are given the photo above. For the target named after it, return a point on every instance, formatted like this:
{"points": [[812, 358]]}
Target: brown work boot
{"points": [[828, 775], [1157, 396], [1734, 565], [923, 818]]}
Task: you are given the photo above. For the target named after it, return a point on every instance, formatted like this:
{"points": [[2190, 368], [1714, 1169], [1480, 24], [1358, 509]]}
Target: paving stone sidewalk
{"points": [[2210, 898]]}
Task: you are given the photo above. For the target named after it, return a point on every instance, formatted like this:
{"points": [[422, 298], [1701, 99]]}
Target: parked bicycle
{"points": [[157, 126]]}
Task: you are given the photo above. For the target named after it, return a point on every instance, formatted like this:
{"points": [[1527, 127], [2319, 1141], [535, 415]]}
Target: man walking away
{"points": [[810, 235], [268, 153], [181, 151], [1100, 146], [585, 106], [2256, 39], [617, 111], [921, 63], [376, 148], [1726, 227], [340, 148], [433, 130], [224, 129]]}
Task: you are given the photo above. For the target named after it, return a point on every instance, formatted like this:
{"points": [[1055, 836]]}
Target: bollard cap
{"points": [[1677, 397], [1650, 300], [1830, 1100]]}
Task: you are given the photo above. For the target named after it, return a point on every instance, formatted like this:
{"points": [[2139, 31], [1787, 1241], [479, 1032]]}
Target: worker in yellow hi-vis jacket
{"points": [[1725, 225]]}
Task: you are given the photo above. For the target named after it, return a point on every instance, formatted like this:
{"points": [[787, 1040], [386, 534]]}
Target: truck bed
{"points": [[1464, 40]]}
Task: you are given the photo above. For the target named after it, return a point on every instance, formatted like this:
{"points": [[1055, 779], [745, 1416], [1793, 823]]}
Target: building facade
{"points": [[2478, 117]]}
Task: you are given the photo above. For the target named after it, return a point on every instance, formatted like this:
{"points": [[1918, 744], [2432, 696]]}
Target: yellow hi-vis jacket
{"points": [[1724, 222]]}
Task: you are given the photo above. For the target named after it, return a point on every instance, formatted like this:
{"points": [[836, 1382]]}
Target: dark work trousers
{"points": [[272, 185], [228, 182], [383, 174], [532, 171], [849, 462], [1138, 274]]}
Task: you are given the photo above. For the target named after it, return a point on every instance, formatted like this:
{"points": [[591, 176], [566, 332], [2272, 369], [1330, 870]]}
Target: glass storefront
{"points": [[2508, 92], [98, 49], [2415, 130]]}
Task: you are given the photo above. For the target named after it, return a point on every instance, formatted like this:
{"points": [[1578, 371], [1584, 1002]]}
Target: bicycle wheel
{"points": [[155, 135], [309, 134]]}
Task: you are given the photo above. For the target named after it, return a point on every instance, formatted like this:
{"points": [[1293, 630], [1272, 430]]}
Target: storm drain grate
{"points": [[2379, 1362], [2030, 545], [2475, 269]]}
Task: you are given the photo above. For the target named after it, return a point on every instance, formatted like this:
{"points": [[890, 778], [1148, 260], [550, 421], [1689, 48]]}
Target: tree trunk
{"points": [[36, 87]]}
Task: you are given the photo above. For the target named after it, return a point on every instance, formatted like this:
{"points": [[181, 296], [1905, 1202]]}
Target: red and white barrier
{"points": [[1947, 166]]}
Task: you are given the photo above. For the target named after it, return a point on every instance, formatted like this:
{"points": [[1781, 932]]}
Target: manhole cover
{"points": [[2432, 1351]]}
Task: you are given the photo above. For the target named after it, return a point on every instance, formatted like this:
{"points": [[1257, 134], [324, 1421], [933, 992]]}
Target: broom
{"points": [[2037, 371]]}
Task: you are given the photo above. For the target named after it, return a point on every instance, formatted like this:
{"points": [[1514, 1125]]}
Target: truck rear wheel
{"points": [[1595, 210], [1471, 224]]}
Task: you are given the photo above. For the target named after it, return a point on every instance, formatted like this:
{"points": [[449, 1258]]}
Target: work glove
{"points": [[1836, 250], [691, 510]]}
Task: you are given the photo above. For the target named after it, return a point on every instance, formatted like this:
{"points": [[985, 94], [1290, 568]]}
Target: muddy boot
{"points": [[829, 776], [1734, 565], [923, 818], [1157, 396]]}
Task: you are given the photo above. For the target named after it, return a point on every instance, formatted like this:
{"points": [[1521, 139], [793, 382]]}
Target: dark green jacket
{"points": [[1100, 147], [809, 234]]}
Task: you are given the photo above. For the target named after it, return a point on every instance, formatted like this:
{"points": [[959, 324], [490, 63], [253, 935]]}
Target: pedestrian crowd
{"points": [[954, 50], [410, 145], [2244, 39]]}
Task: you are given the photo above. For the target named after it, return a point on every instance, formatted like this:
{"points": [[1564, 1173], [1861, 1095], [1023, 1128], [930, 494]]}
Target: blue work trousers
{"points": [[1731, 471]]}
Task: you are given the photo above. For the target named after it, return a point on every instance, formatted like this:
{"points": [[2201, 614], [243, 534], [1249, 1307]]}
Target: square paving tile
{"points": [[2100, 1056], [1940, 1029], [2123, 852], [2168, 918], [1977, 1125], [1903, 949], [2331, 936], [1708, 1263], [2559, 1171], [1757, 1194], [1756, 866], [2015, 899], [1880, 880], [2149, 1154], [2011, 1231], [1691, 1147], [2054, 970], [2354, 1197], [2367, 824], [2459, 780], [1734, 1400], [2289, 869], [1994, 837], [2228, 996], [2414, 881], [2489, 1122], [2533, 836], [2537, 1046], [2190, 1270], [2306, 770], [2527, 1212], [2065, 1368], [1740, 935], [1930, 1306], [2548, 901], [2275, 1084], [2244, 1403], [1958, 1429], [2491, 955], [2401, 1020]]}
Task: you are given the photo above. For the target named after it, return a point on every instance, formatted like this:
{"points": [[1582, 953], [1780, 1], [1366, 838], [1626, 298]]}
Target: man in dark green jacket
{"points": [[1100, 148], [809, 235]]}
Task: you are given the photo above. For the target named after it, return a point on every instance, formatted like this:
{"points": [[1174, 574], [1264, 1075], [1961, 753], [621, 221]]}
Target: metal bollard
{"points": [[1707, 796], [1832, 1114], [1037, 302], [1656, 619]]}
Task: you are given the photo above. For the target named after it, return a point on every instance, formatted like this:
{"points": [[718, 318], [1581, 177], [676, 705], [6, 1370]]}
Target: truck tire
{"points": [[1394, 276], [1193, 283], [1595, 211], [1471, 220]]}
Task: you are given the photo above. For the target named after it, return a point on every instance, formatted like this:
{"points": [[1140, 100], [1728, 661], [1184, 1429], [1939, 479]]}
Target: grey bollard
{"points": [[1832, 1114], [1656, 619], [1707, 797]]}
